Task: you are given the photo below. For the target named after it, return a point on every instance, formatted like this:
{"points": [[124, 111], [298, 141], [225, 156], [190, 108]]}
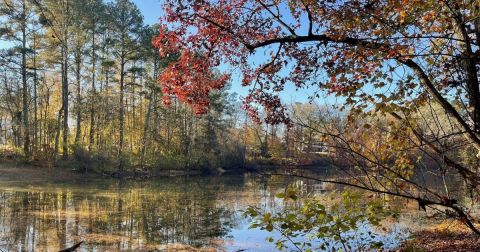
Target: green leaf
{"points": [[269, 227]]}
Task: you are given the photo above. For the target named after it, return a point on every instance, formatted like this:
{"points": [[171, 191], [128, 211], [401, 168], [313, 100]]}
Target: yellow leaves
{"points": [[378, 32], [323, 138], [411, 51], [380, 106], [385, 144], [429, 61], [403, 165], [401, 15]]}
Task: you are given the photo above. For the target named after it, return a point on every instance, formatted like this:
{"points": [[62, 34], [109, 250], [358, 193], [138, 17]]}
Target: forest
{"points": [[80, 87], [379, 151]]}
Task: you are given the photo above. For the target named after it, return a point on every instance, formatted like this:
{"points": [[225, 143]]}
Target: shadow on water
{"points": [[109, 215]]}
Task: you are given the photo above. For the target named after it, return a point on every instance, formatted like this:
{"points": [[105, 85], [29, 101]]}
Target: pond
{"points": [[167, 214]]}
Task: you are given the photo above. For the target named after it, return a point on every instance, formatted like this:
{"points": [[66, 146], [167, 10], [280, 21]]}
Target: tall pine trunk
{"points": [[26, 128], [146, 129], [65, 85], [94, 94], [78, 62], [65, 104], [57, 133], [122, 112], [35, 96]]}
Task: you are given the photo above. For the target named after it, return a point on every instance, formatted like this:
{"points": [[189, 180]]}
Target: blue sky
{"points": [[151, 10]]}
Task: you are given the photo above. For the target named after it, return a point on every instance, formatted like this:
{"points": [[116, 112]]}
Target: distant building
{"points": [[315, 148]]}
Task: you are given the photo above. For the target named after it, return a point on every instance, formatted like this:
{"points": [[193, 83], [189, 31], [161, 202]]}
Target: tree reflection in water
{"points": [[196, 212], [186, 213]]}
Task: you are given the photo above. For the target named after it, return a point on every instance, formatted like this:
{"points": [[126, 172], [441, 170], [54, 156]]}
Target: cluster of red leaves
{"points": [[191, 78], [208, 33], [275, 111], [202, 33], [193, 89]]}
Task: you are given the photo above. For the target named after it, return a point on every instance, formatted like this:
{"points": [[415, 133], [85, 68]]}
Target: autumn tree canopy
{"points": [[391, 54], [387, 57]]}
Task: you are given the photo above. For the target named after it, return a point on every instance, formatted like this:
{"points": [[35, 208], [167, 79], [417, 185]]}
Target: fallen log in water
{"points": [[72, 248]]}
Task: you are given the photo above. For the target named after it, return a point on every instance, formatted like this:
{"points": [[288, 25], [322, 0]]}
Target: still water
{"points": [[191, 213]]}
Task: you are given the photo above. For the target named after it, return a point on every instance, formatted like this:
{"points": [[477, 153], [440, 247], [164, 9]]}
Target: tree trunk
{"points": [[57, 133], [132, 130], [26, 129], [78, 62], [94, 94], [65, 102], [145, 129], [65, 85], [35, 96], [122, 112], [47, 105]]}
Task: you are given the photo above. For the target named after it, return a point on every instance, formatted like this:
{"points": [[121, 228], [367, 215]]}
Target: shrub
{"points": [[309, 225]]}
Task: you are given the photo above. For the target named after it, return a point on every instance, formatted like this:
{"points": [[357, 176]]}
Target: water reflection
{"points": [[166, 214], [196, 212]]}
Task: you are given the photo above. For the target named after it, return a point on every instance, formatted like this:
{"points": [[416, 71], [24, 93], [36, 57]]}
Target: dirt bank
{"points": [[14, 172]]}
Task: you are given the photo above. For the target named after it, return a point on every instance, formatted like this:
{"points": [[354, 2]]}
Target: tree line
{"points": [[79, 80], [81, 77]]}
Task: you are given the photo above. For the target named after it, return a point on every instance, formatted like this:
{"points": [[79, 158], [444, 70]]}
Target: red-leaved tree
{"points": [[387, 57]]}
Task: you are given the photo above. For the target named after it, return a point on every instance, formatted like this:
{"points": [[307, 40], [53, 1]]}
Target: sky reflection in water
{"points": [[169, 213]]}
